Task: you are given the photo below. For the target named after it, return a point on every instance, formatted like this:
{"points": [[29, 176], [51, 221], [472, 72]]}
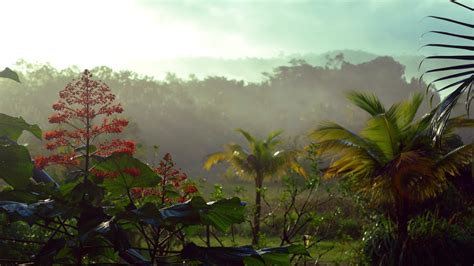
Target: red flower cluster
{"points": [[82, 113], [170, 176]]}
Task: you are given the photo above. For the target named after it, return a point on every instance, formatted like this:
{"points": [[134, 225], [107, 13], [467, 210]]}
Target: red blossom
{"points": [[83, 103], [116, 146], [172, 178], [41, 162], [190, 189], [183, 177]]}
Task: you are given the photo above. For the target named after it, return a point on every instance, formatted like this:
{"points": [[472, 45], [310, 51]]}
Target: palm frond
{"points": [[442, 112], [384, 132], [406, 110], [454, 160], [463, 78], [215, 158], [246, 135], [367, 102], [461, 121], [271, 137]]}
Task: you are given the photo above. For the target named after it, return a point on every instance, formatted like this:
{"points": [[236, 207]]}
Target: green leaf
{"points": [[12, 127], [18, 211], [9, 74], [29, 194], [276, 259], [119, 185], [224, 213], [219, 214], [88, 191], [367, 102], [244, 255], [16, 166], [220, 255], [49, 250]]}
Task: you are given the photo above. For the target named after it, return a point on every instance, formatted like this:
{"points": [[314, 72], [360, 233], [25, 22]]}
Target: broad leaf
{"points": [[244, 255], [49, 250], [119, 239], [9, 74], [220, 255], [124, 181], [12, 127], [16, 166], [18, 211], [219, 214]]}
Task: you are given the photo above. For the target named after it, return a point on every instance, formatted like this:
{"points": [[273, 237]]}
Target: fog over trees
{"points": [[193, 116]]}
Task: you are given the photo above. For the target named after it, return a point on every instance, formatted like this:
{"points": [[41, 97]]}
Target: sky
{"points": [[124, 33]]}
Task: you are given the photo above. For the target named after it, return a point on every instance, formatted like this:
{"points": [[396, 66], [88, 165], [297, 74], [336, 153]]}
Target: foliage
{"points": [[430, 239], [393, 162], [460, 80], [174, 185], [83, 113], [9, 74], [91, 219], [263, 160]]}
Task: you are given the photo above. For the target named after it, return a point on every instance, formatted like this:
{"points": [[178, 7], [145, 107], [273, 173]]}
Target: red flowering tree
{"points": [[84, 112], [174, 186]]}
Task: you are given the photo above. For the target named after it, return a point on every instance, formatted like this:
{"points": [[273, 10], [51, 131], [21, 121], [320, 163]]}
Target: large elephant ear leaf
{"points": [[224, 213], [12, 127], [126, 172], [220, 214], [244, 255], [9, 74], [457, 74], [16, 166]]}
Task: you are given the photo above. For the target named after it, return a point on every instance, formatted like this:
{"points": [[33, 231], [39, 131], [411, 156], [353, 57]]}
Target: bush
{"points": [[432, 241]]}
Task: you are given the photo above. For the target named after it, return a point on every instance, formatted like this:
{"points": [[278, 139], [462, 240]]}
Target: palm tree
{"points": [[458, 75], [392, 160], [263, 160]]}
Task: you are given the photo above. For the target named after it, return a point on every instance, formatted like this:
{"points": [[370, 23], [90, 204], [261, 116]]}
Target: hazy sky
{"points": [[122, 33]]}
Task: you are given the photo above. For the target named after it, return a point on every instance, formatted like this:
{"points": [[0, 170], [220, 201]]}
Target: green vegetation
{"points": [[400, 191], [263, 160]]}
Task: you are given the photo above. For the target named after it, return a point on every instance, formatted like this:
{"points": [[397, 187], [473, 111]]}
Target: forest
{"points": [[343, 158]]}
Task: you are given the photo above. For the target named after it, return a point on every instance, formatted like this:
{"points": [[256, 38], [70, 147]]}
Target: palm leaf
{"points": [[215, 158], [367, 102], [464, 86], [384, 132], [465, 37], [442, 112], [247, 135], [406, 111], [454, 160], [274, 135], [333, 138], [461, 121]]}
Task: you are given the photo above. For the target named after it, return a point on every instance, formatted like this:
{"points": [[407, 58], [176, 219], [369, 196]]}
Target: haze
{"points": [[146, 35]]}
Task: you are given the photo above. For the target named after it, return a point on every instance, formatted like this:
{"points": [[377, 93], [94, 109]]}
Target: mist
{"points": [[192, 116]]}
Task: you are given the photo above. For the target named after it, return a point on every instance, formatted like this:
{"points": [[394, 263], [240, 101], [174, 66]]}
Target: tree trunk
{"points": [[402, 229], [258, 209]]}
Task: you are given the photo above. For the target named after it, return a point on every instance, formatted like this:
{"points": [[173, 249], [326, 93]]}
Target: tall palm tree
{"points": [[392, 160], [263, 160], [458, 72]]}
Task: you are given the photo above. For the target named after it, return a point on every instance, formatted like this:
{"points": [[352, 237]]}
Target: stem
{"points": [[258, 208], [208, 238], [87, 155]]}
